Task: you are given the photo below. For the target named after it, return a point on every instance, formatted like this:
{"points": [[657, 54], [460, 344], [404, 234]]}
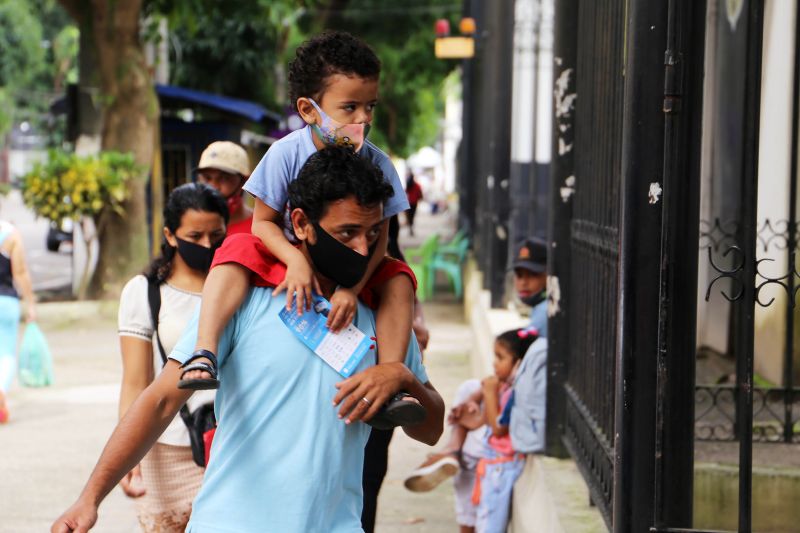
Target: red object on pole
{"points": [[442, 28]]}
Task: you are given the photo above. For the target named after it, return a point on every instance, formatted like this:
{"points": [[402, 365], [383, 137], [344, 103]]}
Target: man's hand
{"points": [[298, 283], [362, 395], [343, 309], [132, 484], [79, 518]]}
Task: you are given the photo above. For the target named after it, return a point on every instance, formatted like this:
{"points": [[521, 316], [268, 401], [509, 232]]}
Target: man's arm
{"points": [[399, 377], [138, 430], [432, 427]]}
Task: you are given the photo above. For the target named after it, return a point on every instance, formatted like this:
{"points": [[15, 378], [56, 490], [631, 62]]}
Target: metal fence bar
{"points": [[684, 60], [744, 334], [639, 266], [565, 41]]}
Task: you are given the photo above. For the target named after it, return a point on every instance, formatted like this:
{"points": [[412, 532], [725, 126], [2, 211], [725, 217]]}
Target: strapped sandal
{"points": [[398, 411], [200, 383]]}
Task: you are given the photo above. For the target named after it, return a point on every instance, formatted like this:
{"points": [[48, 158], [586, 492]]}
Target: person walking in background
{"points": [[225, 166], [167, 480], [14, 279], [414, 195]]}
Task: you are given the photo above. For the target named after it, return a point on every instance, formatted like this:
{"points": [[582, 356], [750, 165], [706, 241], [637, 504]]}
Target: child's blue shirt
{"points": [[270, 180]]}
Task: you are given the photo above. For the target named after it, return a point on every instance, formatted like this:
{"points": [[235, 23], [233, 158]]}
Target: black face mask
{"points": [[195, 256], [336, 261], [536, 299]]}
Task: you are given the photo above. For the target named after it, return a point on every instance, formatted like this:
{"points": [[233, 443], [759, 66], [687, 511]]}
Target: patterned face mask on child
{"points": [[332, 132]]}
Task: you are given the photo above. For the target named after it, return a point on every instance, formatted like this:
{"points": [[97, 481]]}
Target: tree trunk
{"points": [[130, 119]]}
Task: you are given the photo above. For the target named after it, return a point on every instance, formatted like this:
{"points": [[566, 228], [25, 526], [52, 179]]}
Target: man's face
{"points": [[225, 182], [528, 283], [356, 226]]}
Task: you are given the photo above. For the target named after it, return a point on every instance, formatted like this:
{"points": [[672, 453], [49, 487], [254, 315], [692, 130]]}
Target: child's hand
{"points": [[343, 309], [299, 282], [490, 384]]}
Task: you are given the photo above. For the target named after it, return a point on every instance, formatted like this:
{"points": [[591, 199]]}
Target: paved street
{"points": [[49, 270]]}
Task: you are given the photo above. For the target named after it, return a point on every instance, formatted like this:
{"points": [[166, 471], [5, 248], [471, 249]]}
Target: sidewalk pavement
{"points": [[56, 434]]}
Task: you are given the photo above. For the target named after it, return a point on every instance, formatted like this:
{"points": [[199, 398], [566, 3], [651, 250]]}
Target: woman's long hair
{"points": [[189, 196]]}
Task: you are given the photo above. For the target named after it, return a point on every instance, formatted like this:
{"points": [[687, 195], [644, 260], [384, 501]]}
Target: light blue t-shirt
{"points": [[529, 409], [270, 180], [281, 460], [539, 318]]}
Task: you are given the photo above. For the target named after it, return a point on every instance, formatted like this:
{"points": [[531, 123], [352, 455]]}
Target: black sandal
{"points": [[200, 383], [398, 411]]}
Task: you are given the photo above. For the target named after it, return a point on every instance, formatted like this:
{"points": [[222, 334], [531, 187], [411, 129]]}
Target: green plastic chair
{"points": [[420, 259], [454, 245], [450, 260]]}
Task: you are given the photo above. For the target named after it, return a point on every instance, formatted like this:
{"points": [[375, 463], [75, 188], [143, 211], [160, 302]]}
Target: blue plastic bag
{"points": [[35, 362]]}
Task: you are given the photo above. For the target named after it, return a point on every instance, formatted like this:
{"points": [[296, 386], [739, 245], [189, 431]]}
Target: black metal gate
{"points": [[624, 231]]}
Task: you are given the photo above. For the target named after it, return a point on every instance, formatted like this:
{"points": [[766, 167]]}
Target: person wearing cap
{"points": [[530, 280], [224, 165]]}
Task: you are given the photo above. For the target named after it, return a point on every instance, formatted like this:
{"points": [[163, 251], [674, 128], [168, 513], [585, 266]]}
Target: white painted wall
{"points": [[773, 177]]}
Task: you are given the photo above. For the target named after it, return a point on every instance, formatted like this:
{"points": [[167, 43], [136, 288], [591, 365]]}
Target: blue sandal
{"points": [[200, 383]]}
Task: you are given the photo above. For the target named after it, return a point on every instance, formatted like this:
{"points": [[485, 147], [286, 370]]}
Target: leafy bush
{"points": [[69, 186], [82, 189]]}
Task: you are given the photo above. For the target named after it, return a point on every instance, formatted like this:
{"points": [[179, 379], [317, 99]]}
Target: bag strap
{"points": [[154, 299]]}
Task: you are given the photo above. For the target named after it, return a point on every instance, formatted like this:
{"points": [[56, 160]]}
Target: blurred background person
{"points": [[225, 166], [14, 279], [414, 194]]}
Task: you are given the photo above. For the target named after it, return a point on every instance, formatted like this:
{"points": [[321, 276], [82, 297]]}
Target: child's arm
{"points": [[300, 278], [491, 398]]}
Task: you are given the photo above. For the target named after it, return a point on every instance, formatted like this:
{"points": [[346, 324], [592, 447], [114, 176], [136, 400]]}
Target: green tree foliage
{"points": [[22, 57], [231, 48], [240, 49]]}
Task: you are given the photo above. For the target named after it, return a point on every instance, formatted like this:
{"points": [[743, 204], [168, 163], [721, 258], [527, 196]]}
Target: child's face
{"points": [[346, 99], [503, 361], [528, 283]]}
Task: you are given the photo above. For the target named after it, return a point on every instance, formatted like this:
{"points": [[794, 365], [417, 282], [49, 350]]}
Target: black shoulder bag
{"points": [[201, 420]]}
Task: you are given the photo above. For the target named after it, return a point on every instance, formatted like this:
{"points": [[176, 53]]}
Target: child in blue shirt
{"points": [[333, 83]]}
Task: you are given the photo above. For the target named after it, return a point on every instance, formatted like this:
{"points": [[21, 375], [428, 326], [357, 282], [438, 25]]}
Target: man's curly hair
{"points": [[335, 173], [332, 52]]}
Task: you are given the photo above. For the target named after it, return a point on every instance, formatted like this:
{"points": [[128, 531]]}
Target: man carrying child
{"points": [[284, 457]]}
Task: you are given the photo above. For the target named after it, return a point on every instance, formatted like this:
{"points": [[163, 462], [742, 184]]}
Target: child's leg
{"points": [[394, 319], [497, 484], [224, 291]]}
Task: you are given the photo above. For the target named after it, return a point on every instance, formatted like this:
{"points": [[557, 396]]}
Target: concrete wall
{"points": [[773, 179], [716, 489]]}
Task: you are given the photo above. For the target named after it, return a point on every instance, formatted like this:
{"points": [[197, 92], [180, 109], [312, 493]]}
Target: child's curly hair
{"points": [[331, 52], [518, 340]]}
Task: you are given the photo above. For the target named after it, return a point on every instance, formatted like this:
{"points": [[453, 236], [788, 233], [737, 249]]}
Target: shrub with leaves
{"points": [[68, 186], [81, 189]]}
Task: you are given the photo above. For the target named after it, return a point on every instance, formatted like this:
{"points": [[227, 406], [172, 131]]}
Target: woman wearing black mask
{"points": [[195, 218]]}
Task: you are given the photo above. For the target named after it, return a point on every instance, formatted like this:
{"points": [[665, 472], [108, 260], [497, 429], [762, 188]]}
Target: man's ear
{"points": [[171, 240], [302, 225], [306, 110]]}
